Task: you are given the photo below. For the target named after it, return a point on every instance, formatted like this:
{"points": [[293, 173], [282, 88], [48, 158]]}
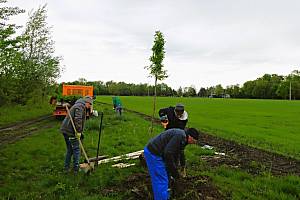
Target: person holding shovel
{"points": [[72, 137], [161, 155]]}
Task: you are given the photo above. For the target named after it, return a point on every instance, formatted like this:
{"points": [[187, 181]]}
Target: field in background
{"points": [[273, 125]]}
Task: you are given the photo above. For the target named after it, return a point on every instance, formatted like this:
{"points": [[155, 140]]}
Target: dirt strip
{"points": [[253, 160], [15, 132], [250, 159], [138, 186], [19, 125]]}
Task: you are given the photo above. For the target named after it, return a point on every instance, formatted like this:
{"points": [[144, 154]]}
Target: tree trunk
{"points": [[154, 106]]}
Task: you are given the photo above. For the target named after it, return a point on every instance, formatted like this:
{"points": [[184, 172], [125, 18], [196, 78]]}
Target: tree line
{"points": [[28, 66], [269, 86]]}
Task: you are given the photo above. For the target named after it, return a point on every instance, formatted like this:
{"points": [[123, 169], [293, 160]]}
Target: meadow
{"points": [[273, 125], [32, 168], [17, 113]]}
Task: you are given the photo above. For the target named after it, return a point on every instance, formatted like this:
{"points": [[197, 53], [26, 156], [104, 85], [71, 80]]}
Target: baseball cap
{"points": [[193, 133]]}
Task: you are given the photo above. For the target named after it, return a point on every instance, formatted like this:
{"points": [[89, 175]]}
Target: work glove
{"points": [[183, 172], [78, 135], [164, 118]]}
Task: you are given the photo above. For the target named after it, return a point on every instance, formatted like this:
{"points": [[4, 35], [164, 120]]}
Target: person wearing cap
{"points": [[161, 155], [173, 117], [78, 114]]}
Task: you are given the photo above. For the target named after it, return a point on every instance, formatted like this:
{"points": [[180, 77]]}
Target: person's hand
{"points": [[164, 118], [164, 124], [78, 135]]}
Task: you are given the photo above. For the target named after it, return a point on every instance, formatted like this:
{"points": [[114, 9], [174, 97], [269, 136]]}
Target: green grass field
{"points": [[32, 168], [18, 113], [273, 125]]}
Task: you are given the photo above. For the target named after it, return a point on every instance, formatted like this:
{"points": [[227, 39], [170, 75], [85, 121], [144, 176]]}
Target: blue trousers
{"points": [[158, 174], [72, 150]]}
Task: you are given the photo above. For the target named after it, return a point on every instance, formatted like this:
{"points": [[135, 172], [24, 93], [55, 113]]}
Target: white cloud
{"points": [[207, 42]]}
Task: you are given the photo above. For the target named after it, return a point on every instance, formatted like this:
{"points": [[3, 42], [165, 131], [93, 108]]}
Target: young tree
{"points": [[156, 66]]}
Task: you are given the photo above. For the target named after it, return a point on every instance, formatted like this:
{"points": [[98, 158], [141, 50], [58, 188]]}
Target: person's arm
{"points": [[182, 158], [170, 152], [78, 119]]}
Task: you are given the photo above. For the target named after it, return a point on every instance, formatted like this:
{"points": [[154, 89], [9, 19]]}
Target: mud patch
{"points": [[250, 159], [138, 186]]}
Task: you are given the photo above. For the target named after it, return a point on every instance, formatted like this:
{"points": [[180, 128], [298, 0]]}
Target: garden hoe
{"points": [[86, 167]]}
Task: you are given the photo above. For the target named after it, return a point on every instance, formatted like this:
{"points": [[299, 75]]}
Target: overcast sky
{"points": [[207, 42]]}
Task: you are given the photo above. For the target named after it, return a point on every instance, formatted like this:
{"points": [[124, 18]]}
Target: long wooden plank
{"points": [[128, 156]]}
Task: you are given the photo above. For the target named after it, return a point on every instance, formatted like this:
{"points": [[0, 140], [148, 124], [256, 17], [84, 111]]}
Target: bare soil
{"points": [[250, 159], [17, 131], [138, 187]]}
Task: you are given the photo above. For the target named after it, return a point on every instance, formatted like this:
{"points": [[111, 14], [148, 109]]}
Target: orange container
{"points": [[81, 90], [73, 90]]}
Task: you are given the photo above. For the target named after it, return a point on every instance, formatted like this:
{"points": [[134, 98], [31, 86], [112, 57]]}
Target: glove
{"points": [[183, 172], [164, 118], [78, 135]]}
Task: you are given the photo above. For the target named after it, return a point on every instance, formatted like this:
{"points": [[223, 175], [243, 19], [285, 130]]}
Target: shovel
{"points": [[90, 165]]}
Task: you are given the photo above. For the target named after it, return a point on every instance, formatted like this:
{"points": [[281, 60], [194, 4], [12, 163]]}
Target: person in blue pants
{"points": [[162, 154]]}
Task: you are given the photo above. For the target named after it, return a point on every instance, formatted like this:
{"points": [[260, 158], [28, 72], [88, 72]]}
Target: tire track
{"points": [[17, 131]]}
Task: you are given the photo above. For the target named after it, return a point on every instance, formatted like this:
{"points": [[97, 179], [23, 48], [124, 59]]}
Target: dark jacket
{"points": [[78, 113], [170, 146], [174, 122]]}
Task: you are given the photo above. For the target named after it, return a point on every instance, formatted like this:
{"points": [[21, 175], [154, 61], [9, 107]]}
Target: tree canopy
{"points": [[28, 66]]}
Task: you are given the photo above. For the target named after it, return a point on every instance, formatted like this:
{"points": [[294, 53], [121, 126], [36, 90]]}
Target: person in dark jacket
{"points": [[161, 155], [173, 117], [78, 114]]}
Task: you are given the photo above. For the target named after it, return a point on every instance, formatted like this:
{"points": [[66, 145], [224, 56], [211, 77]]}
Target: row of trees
{"points": [[266, 87], [125, 89], [269, 86], [28, 65]]}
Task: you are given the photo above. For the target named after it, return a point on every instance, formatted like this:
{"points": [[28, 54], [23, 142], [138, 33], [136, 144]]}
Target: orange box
{"points": [[81, 90]]}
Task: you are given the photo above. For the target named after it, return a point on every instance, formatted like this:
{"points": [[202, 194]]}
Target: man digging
{"points": [[78, 114], [162, 154]]}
